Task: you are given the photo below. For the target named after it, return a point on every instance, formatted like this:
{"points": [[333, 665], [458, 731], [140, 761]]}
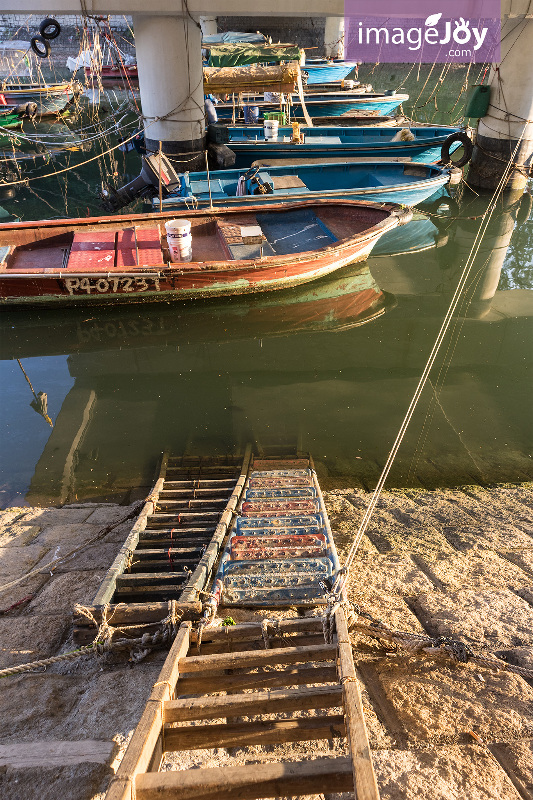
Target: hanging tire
{"points": [[49, 28], [40, 46], [468, 147]]}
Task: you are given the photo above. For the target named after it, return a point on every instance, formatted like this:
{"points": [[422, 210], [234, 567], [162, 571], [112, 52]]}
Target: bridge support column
{"points": [[506, 121], [169, 60], [334, 37]]}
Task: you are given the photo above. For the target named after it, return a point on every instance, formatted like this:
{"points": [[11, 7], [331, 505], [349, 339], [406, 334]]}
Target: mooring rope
{"points": [[342, 574], [104, 643]]}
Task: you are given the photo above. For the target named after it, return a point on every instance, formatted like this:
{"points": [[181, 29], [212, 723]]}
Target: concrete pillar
{"points": [[209, 25], [334, 37], [169, 61], [511, 104]]}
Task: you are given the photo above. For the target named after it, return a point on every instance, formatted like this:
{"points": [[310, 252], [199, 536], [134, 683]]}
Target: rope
{"points": [[454, 649], [103, 642], [342, 574]]}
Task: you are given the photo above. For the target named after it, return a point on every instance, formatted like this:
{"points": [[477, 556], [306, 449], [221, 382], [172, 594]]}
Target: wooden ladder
{"points": [[297, 672]]}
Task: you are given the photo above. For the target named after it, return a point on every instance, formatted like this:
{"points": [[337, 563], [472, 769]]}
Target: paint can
{"points": [[179, 239], [251, 115], [271, 129]]}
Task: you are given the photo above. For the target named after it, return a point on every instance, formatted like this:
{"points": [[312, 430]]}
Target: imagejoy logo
{"points": [[432, 38]]}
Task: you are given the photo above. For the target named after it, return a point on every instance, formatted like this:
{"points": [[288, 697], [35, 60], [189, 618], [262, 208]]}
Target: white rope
{"points": [[343, 573]]}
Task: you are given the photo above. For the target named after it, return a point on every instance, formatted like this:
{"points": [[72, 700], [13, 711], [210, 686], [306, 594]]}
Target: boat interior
{"points": [[300, 179], [337, 133], [231, 237]]}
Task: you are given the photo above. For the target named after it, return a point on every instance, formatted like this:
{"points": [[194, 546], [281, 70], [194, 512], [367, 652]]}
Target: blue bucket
{"points": [[251, 115]]}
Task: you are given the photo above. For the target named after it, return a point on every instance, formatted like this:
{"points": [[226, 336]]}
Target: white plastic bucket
{"points": [[179, 239], [349, 84], [271, 128]]}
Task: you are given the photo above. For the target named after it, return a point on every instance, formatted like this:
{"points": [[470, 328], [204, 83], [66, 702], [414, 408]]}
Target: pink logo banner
{"points": [[422, 31]]}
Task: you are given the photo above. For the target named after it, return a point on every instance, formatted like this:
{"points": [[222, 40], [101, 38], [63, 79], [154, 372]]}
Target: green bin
{"points": [[281, 116], [477, 101]]}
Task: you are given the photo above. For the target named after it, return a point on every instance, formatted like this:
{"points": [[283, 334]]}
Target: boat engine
{"points": [[144, 185]]}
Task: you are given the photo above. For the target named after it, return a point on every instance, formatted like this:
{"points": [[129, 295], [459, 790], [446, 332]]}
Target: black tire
{"points": [[49, 28], [468, 147], [40, 46]]}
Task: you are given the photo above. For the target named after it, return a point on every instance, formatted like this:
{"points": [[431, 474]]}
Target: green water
{"points": [[330, 367]]}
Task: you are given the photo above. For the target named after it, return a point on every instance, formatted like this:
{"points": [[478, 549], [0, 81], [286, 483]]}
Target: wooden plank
{"points": [[247, 734], [236, 645], [23, 755], [122, 614], [252, 704], [298, 676], [253, 630], [140, 751], [133, 580], [286, 779], [359, 747], [252, 658]]}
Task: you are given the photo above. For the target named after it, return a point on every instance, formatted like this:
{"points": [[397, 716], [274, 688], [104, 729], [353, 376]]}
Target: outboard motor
{"points": [[144, 185], [28, 110]]}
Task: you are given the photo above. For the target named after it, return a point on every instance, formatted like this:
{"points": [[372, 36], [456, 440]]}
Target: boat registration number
{"points": [[112, 284]]}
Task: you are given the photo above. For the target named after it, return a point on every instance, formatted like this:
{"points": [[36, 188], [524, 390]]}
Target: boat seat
{"points": [[202, 187], [231, 235], [292, 183]]}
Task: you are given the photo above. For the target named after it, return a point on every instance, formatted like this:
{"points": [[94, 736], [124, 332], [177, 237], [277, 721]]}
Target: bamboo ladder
{"points": [[312, 676]]}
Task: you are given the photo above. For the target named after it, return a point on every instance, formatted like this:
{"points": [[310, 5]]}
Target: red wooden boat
{"points": [[115, 72], [126, 258]]}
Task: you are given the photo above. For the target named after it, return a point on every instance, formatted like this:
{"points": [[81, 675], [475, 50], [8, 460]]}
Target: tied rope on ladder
{"points": [[104, 641], [337, 593]]}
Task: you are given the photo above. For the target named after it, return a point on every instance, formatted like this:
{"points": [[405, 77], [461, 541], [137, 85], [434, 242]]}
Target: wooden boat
{"points": [[280, 551], [126, 258], [115, 72], [249, 144], [50, 98], [10, 119], [329, 104], [323, 71], [381, 181]]}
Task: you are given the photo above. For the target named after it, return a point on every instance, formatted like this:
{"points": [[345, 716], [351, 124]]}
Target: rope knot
{"points": [[455, 648]]}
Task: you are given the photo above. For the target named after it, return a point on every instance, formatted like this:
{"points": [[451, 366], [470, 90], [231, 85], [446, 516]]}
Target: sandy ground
{"points": [[456, 563]]}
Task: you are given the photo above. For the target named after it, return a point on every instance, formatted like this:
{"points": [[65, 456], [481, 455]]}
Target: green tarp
{"points": [[238, 55]]}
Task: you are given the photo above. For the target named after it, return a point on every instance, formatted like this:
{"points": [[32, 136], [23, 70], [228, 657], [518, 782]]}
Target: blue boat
{"points": [[382, 181], [328, 104], [337, 142], [327, 71]]}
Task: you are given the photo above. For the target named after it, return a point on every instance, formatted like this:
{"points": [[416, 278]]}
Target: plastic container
{"points": [[477, 101], [348, 84], [281, 116], [251, 115], [179, 239], [271, 127]]}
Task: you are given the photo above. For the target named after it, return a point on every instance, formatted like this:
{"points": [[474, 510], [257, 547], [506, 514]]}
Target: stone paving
{"points": [[456, 563]]}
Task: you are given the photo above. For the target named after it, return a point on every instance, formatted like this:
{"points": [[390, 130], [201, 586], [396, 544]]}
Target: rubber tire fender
{"points": [[465, 140], [52, 23], [37, 45]]}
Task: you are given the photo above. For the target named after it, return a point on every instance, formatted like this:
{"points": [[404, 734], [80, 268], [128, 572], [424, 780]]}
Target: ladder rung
{"points": [[150, 579], [297, 676], [285, 779], [246, 734], [257, 658], [253, 703]]}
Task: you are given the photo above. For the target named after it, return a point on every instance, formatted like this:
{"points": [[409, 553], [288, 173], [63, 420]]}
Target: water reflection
{"points": [[332, 365]]}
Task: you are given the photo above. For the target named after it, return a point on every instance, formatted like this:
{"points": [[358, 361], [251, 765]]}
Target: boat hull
{"points": [[334, 105], [49, 99], [37, 287], [326, 73]]}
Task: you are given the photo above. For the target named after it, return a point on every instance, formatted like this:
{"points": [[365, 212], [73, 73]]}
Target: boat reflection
{"points": [[349, 298]]}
